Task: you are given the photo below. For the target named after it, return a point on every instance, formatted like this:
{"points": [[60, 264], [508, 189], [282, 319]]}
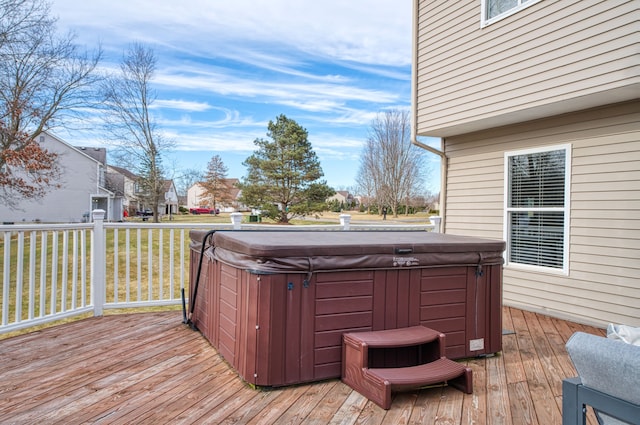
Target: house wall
{"points": [[195, 196], [124, 185], [604, 251], [130, 201], [338, 197], [171, 200], [553, 57], [79, 180]]}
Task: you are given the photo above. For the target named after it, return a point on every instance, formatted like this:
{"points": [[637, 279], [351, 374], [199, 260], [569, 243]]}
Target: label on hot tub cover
{"points": [[405, 261]]}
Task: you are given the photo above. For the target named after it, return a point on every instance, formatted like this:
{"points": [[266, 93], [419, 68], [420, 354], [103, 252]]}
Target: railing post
{"points": [[236, 220], [98, 263], [345, 221], [435, 221]]}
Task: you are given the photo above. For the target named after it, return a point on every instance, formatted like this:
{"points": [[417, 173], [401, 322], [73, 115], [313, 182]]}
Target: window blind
{"points": [[536, 208]]}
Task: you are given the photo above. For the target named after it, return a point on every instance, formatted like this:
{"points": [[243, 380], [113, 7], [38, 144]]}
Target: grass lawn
{"points": [[46, 287]]}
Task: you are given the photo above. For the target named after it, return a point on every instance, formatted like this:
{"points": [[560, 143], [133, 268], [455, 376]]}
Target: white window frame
{"points": [[485, 20], [566, 209]]}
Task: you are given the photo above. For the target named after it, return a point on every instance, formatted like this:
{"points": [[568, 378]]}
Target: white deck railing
{"points": [[56, 271]]}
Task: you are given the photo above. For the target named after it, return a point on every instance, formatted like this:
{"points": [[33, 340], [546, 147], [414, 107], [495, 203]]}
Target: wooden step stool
{"points": [[379, 362]]}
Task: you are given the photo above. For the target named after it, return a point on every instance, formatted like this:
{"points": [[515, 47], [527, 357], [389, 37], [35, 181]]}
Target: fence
{"points": [[56, 271]]}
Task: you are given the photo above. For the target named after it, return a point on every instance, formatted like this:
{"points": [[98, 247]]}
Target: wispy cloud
{"points": [[214, 141], [225, 68], [365, 31], [181, 105], [222, 118]]}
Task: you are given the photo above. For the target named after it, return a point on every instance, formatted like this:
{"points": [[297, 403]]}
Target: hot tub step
{"points": [[429, 365], [401, 337], [441, 370]]}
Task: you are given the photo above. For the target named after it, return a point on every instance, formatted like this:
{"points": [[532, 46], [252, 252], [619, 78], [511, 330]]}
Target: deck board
{"points": [[150, 368]]}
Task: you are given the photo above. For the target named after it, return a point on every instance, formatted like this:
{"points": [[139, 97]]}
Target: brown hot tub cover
{"points": [[264, 252]]}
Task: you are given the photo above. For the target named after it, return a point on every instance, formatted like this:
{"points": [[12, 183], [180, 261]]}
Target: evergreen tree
{"points": [[284, 172]]}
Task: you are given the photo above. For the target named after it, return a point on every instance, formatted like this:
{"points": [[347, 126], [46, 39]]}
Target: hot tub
{"points": [[276, 303]]}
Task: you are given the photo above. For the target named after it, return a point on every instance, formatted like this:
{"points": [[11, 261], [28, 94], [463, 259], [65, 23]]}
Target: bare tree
{"points": [[187, 178], [366, 178], [215, 181], [128, 119], [391, 168], [44, 80], [20, 16]]}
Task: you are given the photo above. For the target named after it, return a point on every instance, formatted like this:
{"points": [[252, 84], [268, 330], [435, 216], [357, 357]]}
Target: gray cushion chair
{"points": [[608, 381]]}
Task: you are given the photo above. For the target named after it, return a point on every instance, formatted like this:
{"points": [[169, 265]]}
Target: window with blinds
{"points": [[537, 207], [494, 10]]}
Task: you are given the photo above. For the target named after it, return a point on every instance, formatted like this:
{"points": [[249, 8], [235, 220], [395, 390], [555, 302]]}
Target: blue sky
{"points": [[225, 68]]}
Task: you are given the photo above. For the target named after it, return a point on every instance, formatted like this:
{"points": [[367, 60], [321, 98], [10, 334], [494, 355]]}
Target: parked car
{"points": [[145, 214], [203, 210]]}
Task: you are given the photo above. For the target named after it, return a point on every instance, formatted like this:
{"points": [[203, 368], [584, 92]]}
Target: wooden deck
{"points": [[150, 368]]}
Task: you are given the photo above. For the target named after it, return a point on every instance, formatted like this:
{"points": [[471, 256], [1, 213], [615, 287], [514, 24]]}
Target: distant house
{"points": [[537, 105], [344, 198], [228, 202], [231, 201], [123, 183], [170, 205], [83, 188]]}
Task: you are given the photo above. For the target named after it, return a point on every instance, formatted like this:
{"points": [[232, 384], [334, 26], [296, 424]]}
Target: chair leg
{"points": [[571, 414]]}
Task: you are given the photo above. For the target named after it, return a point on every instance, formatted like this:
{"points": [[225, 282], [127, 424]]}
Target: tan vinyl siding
{"points": [[603, 284], [553, 57]]}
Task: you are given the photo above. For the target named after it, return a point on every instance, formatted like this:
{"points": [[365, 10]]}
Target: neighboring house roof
{"points": [[168, 185], [84, 151], [170, 193], [99, 154], [124, 172], [116, 178]]}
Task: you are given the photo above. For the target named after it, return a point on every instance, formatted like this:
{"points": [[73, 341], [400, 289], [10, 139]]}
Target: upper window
{"points": [[494, 10], [537, 207]]}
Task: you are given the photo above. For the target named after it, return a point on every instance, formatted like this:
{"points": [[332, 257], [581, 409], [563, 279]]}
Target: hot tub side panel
{"points": [[284, 344], [202, 317], [343, 302], [219, 308], [281, 329], [444, 305], [228, 310], [485, 328], [300, 321], [465, 303], [382, 299]]}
